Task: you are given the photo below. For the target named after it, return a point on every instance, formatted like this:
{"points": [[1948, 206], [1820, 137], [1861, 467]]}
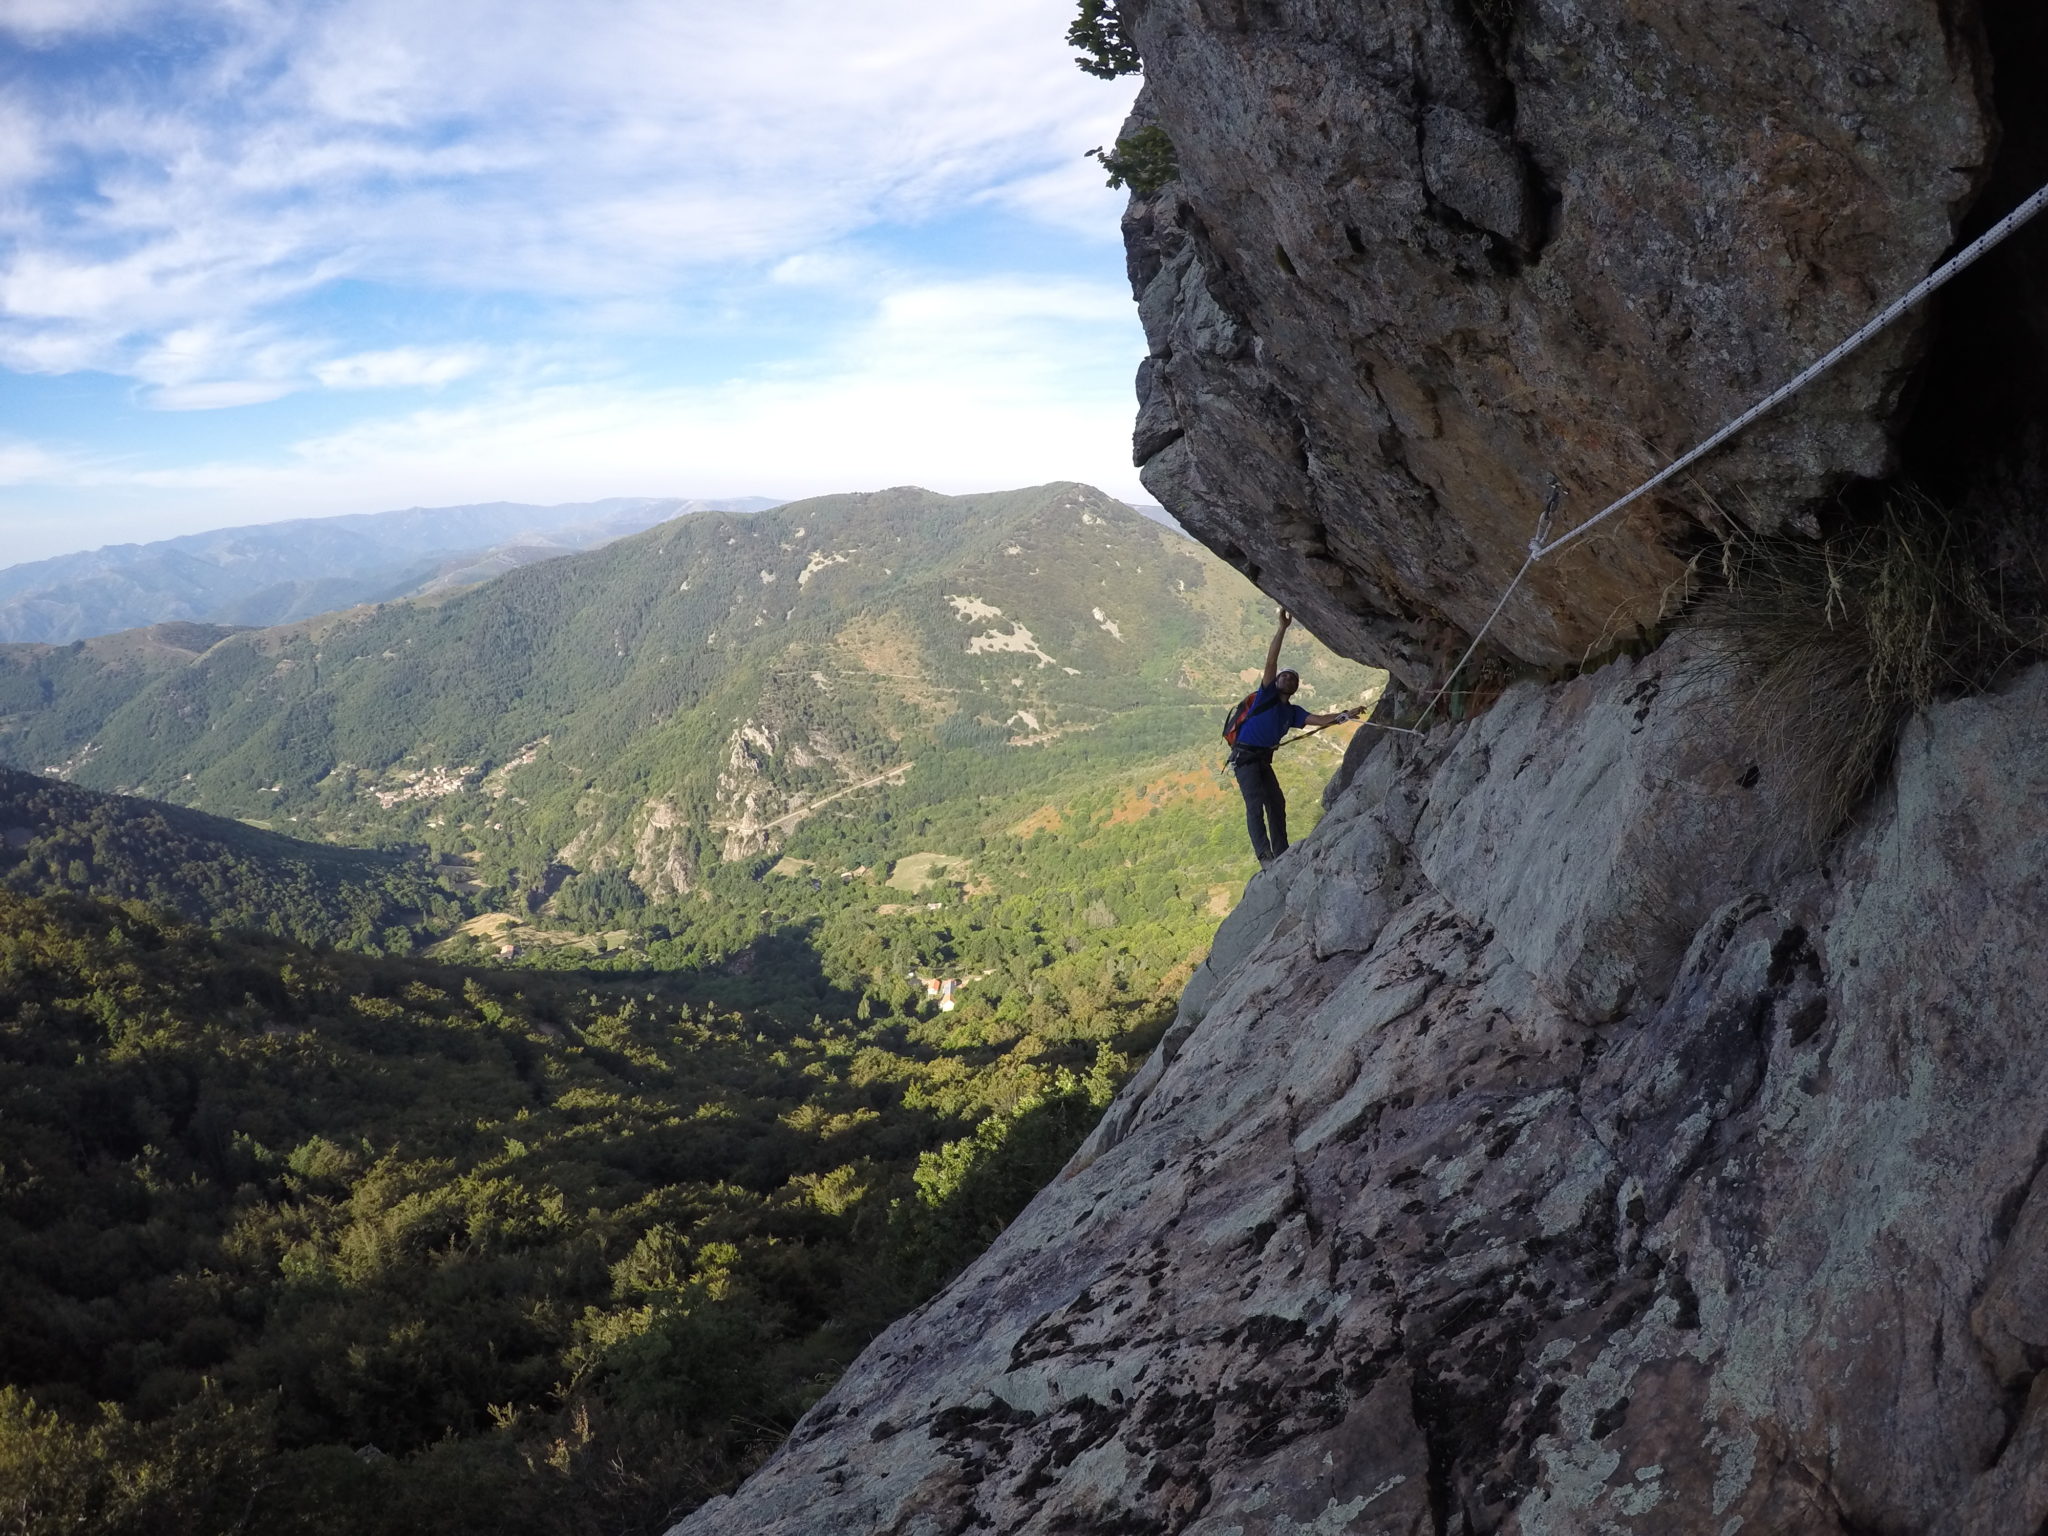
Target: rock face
{"points": [[1424, 254], [1548, 1145], [1556, 1141]]}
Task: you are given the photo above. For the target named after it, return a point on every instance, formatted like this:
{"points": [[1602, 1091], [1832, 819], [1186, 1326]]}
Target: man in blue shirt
{"points": [[1271, 716]]}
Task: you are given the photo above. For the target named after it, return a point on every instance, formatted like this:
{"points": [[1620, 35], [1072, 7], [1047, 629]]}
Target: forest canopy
{"points": [[308, 1241]]}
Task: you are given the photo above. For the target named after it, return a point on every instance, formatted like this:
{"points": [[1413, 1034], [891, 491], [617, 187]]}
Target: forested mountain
{"points": [[832, 675], [59, 838], [272, 573]]}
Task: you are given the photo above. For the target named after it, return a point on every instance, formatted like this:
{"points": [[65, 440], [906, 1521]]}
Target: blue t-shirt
{"points": [[1265, 726]]}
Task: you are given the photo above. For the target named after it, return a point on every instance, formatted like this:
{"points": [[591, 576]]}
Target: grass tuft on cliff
{"points": [[1844, 638]]}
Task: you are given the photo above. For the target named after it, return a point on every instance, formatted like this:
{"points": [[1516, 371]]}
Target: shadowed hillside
{"points": [[56, 837]]}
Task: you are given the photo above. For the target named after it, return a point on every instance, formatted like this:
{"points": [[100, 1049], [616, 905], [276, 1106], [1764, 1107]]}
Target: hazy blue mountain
{"points": [[273, 573]]}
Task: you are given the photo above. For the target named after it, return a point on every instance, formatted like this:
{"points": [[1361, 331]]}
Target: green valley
{"points": [[625, 741], [312, 1242], [792, 890]]}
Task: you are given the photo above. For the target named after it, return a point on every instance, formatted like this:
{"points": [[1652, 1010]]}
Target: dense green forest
{"points": [[55, 837], [304, 1240], [299, 1240]]}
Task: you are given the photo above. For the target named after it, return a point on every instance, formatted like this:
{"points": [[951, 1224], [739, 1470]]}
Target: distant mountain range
{"points": [[273, 573]]}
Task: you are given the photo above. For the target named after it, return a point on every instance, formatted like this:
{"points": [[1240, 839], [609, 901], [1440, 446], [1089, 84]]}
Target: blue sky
{"points": [[280, 258]]}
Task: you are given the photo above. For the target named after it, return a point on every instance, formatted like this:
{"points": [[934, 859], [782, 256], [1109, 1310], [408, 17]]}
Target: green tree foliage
{"points": [[58, 838], [1144, 161], [1107, 49], [306, 1241], [968, 1190], [601, 900]]}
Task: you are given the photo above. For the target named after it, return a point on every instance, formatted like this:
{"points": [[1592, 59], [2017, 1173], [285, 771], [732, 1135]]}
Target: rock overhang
{"points": [[1420, 258]]}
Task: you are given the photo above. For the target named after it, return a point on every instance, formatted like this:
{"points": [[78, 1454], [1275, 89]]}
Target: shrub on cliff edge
{"points": [[1098, 31]]}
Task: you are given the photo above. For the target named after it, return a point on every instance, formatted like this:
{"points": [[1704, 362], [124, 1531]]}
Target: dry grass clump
{"points": [[1842, 639]]}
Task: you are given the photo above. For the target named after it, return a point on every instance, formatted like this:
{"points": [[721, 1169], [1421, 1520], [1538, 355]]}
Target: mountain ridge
{"points": [[268, 573], [59, 839], [582, 696]]}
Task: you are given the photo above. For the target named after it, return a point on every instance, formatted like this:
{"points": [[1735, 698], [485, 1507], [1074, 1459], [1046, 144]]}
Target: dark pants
{"points": [[1265, 808]]}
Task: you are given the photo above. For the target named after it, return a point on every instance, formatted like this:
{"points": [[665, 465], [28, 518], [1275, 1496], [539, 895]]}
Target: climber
{"points": [[1264, 719]]}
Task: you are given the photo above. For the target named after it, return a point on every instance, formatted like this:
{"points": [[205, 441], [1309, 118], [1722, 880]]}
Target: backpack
{"points": [[1242, 711]]}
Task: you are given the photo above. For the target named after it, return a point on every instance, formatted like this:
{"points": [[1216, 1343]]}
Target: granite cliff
{"points": [[1563, 1138]]}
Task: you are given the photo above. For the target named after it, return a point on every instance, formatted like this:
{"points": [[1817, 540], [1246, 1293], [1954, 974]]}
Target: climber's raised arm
{"points": [[1273, 650]]}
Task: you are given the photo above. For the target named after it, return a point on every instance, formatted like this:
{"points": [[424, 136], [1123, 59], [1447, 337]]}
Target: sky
{"points": [[263, 259]]}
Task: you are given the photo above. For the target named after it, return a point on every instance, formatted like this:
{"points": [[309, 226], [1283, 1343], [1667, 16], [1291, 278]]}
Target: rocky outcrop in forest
{"points": [[1587, 1129]]}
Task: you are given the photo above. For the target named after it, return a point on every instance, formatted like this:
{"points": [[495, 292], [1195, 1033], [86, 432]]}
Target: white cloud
{"points": [[1076, 197], [194, 353], [21, 146], [50, 349], [519, 207], [957, 386], [399, 367], [825, 267], [217, 394], [586, 152], [45, 21], [989, 318], [29, 464]]}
